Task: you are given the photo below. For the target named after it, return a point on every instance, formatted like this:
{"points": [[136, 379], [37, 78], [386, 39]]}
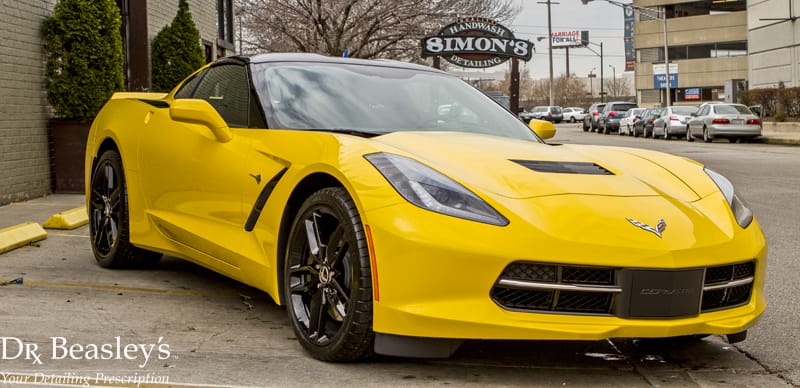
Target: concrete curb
{"points": [[68, 219], [20, 235]]}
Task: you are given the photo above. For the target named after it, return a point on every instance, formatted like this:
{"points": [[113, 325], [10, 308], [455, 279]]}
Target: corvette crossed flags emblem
{"points": [[659, 228]]}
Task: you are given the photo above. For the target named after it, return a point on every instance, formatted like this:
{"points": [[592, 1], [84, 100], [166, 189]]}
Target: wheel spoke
{"points": [[341, 294], [101, 231], [337, 246], [306, 279], [316, 314], [339, 310], [109, 174], [312, 235]]}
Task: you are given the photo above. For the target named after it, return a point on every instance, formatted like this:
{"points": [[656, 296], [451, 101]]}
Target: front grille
{"points": [[584, 302], [539, 287], [727, 286], [554, 293]]}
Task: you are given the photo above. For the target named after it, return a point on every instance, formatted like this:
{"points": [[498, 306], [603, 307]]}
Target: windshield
{"points": [[377, 99]]}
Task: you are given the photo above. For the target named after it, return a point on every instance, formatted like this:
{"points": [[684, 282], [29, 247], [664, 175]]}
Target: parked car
{"points": [[323, 210], [723, 121], [590, 120], [627, 120], [550, 113], [573, 114], [672, 121], [526, 116], [608, 120], [644, 126]]}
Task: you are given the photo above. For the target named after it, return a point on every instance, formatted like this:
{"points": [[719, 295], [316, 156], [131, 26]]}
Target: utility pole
{"points": [[550, 44]]}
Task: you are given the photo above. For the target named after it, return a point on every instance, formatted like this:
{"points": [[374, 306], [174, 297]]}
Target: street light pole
{"points": [[586, 43], [591, 83], [602, 92], [662, 15], [614, 82]]}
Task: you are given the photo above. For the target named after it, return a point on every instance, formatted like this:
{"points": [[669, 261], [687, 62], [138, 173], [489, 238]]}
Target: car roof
{"points": [[317, 58]]}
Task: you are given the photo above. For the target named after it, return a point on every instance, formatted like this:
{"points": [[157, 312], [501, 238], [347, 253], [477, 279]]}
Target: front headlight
{"points": [[742, 212], [431, 190]]}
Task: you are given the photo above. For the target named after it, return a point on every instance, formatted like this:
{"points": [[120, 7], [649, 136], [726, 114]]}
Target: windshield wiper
{"points": [[351, 131]]}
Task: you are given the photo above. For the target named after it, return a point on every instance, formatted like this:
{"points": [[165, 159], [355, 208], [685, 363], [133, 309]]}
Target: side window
{"points": [[226, 89], [188, 87]]}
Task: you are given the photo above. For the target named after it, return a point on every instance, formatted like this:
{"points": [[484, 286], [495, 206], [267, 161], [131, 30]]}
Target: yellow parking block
{"points": [[68, 219], [20, 235]]}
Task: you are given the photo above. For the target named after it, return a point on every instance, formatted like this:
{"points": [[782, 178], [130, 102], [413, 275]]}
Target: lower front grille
{"points": [[538, 287]]}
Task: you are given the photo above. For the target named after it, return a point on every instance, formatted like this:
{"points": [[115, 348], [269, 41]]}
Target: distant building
{"points": [[24, 148], [707, 40], [774, 44]]}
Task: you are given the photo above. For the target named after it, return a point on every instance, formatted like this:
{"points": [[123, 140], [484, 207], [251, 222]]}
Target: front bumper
{"points": [[435, 277]]}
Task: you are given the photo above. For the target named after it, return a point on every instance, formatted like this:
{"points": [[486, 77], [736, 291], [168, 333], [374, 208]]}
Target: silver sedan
{"points": [[724, 121], [672, 121]]}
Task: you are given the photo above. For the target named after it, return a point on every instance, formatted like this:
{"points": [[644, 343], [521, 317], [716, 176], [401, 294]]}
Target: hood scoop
{"points": [[547, 166]]}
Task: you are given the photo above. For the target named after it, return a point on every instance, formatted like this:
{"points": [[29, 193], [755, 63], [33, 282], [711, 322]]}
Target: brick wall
{"points": [[204, 14], [24, 163]]}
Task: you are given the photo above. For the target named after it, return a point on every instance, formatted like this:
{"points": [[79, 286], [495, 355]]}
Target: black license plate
{"points": [[660, 293]]}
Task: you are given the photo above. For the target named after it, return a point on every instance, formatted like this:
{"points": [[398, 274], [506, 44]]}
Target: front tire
{"points": [[327, 279], [706, 136], [689, 136], [109, 229]]}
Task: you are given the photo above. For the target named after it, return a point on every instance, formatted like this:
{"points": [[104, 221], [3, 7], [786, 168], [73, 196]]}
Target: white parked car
{"points": [[573, 114], [627, 120]]}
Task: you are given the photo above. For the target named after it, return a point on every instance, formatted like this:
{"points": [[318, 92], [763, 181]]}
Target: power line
{"points": [[572, 27]]}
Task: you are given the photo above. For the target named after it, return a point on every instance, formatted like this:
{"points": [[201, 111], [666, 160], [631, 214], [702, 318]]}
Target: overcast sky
{"points": [[603, 21]]}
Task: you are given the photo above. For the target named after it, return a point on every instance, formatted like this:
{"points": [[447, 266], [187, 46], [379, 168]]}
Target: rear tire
{"points": [[109, 229], [666, 133]]}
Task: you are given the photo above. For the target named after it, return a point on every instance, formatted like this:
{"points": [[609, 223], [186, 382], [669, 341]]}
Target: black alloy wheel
{"points": [[108, 217], [327, 279]]}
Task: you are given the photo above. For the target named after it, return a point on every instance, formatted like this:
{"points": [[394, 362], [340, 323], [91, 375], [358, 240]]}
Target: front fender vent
{"points": [[546, 166]]}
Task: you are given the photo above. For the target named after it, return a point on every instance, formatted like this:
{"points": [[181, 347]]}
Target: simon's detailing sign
{"points": [[476, 43]]}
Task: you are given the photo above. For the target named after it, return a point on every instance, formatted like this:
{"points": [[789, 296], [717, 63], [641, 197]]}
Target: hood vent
{"points": [[586, 168]]}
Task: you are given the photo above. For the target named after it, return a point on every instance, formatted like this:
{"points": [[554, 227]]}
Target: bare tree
{"points": [[366, 28], [617, 87]]}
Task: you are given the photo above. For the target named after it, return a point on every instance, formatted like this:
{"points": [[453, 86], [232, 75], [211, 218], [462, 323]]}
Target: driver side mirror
{"points": [[542, 128], [196, 111]]}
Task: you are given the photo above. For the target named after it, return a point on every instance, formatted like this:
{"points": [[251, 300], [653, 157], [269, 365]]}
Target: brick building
{"points": [[24, 111]]}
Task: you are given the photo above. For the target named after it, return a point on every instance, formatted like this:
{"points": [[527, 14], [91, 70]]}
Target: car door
{"points": [[694, 121], [194, 181]]}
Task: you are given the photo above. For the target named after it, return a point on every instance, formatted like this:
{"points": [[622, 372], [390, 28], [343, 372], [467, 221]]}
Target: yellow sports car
{"points": [[394, 209]]}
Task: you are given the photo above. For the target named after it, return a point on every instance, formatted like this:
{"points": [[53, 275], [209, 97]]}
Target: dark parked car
{"points": [[590, 120], [645, 125], [608, 119]]}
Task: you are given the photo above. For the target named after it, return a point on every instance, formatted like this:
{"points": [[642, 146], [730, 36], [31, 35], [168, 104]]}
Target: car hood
{"points": [[525, 169]]}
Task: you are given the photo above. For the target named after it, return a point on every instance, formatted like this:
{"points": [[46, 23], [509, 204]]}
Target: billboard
{"points": [[564, 39], [630, 54]]}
